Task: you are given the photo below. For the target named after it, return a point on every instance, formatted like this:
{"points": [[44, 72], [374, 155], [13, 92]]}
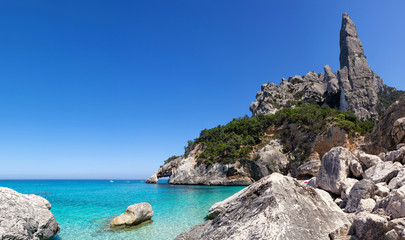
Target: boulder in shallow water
{"points": [[25, 216], [134, 215]]}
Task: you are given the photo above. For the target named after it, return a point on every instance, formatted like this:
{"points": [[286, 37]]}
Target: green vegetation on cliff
{"points": [[386, 97], [171, 158], [238, 138]]}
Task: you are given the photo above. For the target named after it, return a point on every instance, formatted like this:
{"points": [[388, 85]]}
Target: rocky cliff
{"points": [[354, 87], [186, 170], [354, 195], [24, 216], [297, 141], [390, 130]]}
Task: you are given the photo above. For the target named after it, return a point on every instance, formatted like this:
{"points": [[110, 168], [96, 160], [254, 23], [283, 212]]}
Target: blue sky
{"points": [[110, 89]]}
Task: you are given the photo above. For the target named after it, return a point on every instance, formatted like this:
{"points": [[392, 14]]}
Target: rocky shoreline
{"points": [[355, 87], [355, 189], [355, 195], [25, 216]]}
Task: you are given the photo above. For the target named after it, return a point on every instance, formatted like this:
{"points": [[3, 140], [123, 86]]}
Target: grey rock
{"points": [[366, 205], [309, 168], [395, 156], [382, 172], [340, 202], [398, 181], [165, 171], [398, 225], [363, 189], [332, 81], [334, 169], [347, 185], [218, 207], [382, 156], [391, 235], [275, 207], [382, 189], [25, 216], [356, 168], [343, 233], [362, 94], [354, 87], [369, 226], [134, 215], [153, 179], [398, 131], [312, 182], [369, 160], [396, 203], [244, 172]]}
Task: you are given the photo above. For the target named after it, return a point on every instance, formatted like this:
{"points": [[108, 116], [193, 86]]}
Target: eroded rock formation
{"points": [[243, 172], [354, 87]]}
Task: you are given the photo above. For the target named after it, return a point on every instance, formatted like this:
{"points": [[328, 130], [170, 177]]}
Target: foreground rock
{"points": [[24, 216], [276, 207], [134, 215], [335, 168]]}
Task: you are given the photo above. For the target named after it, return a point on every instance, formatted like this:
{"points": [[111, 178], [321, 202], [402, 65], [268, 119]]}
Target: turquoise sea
{"points": [[83, 208]]}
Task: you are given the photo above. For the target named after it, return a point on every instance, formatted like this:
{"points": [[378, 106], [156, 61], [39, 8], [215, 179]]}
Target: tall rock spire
{"points": [[354, 87], [357, 79], [351, 51]]}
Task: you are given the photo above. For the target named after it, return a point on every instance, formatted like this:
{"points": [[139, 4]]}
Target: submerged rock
{"points": [[134, 215], [25, 216], [275, 207]]}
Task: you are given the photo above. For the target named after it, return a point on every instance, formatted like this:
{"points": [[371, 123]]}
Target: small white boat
{"points": [[111, 181]]}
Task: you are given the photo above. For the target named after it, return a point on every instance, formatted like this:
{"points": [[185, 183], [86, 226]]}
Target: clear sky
{"points": [[110, 89]]}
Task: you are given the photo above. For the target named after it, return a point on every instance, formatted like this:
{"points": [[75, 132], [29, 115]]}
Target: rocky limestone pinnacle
{"points": [[354, 87], [360, 86]]}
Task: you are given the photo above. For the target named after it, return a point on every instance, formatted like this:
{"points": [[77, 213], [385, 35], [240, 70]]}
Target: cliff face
{"points": [[294, 148], [354, 87], [389, 132], [186, 170], [278, 156], [354, 195]]}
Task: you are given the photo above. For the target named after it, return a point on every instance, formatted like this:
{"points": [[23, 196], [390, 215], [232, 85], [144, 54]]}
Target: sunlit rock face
{"points": [[25, 216], [354, 87], [276, 207]]}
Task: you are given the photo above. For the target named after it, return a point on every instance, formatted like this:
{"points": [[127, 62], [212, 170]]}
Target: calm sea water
{"points": [[84, 208]]}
